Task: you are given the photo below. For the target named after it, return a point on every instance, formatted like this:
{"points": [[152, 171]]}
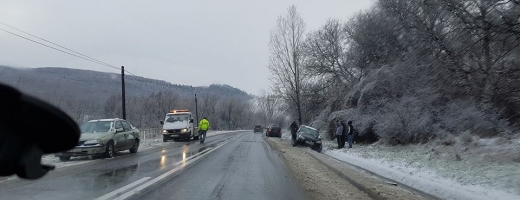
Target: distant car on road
{"points": [[274, 131], [104, 137], [307, 135], [258, 128]]}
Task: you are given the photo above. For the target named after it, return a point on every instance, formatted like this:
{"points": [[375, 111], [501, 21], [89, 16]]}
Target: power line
{"points": [[82, 56], [76, 54], [55, 44], [129, 72], [91, 60]]}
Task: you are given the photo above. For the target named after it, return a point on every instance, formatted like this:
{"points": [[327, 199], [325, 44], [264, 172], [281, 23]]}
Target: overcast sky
{"points": [[184, 42]]}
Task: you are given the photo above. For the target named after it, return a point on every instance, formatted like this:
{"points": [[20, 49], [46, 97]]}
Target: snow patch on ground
{"points": [[53, 160], [438, 171], [151, 143]]}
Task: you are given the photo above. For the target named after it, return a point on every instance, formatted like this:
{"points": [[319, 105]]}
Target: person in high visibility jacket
{"points": [[203, 128]]}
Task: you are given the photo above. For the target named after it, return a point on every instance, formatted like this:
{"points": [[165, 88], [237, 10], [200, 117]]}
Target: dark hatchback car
{"points": [[307, 135], [274, 131], [258, 128]]}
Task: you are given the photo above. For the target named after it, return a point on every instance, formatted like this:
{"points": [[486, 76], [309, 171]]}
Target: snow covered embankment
{"points": [[427, 168]]}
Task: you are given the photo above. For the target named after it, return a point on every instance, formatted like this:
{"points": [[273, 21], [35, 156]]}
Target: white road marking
{"points": [[181, 164], [122, 189]]}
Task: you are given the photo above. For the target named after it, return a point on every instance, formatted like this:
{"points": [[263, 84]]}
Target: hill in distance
{"points": [[98, 86]]}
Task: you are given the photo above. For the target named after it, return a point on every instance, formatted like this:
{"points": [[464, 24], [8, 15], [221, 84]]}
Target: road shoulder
{"points": [[322, 177]]}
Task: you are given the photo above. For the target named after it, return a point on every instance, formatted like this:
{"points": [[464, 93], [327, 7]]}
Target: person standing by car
{"points": [[350, 134], [203, 128], [343, 134], [294, 128], [339, 132]]}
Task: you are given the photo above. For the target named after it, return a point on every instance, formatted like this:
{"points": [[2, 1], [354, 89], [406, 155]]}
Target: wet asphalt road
{"points": [[243, 168]]}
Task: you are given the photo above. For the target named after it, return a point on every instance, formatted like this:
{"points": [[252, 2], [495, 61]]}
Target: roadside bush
{"points": [[378, 86], [320, 123], [403, 122], [466, 138], [463, 115]]}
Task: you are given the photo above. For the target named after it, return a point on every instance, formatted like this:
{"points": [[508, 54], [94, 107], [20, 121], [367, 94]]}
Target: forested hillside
{"points": [[88, 95]]}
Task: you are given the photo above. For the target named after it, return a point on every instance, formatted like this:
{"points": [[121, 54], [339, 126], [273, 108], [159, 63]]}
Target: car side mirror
{"points": [[191, 120], [119, 130], [162, 123]]}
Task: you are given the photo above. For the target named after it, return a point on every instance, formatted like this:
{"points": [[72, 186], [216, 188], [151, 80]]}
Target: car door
{"points": [[120, 137], [131, 134]]}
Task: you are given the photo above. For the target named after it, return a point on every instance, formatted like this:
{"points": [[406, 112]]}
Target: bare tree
{"points": [[208, 105], [287, 57], [326, 52], [112, 107], [268, 104]]}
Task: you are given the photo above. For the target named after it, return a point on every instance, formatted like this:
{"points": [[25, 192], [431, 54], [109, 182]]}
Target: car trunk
{"points": [[275, 129]]}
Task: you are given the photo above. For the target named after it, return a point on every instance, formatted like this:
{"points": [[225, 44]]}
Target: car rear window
{"points": [[309, 132], [258, 126]]}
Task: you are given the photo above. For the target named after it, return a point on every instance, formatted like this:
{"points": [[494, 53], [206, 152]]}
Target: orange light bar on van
{"points": [[176, 111]]}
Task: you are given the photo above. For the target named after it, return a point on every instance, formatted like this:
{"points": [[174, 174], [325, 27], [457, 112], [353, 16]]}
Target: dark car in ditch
{"points": [[308, 136]]}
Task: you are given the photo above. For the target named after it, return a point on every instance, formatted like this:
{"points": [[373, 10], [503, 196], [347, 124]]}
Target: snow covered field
{"points": [[484, 170]]}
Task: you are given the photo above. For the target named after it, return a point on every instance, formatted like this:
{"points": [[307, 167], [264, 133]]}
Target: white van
{"points": [[178, 124]]}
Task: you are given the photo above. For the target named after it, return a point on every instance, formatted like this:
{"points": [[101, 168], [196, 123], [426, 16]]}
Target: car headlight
{"points": [[164, 131], [90, 142], [184, 130], [318, 141]]}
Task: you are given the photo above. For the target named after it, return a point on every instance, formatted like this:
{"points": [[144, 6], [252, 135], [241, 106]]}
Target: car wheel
{"points": [[64, 158], [196, 138], [189, 138], [109, 152], [164, 139], [135, 147], [318, 148]]}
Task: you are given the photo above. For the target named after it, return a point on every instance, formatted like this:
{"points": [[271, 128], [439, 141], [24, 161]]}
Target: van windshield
{"points": [[176, 118]]}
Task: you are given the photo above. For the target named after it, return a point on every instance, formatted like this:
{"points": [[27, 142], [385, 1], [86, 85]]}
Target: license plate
{"points": [[75, 150]]}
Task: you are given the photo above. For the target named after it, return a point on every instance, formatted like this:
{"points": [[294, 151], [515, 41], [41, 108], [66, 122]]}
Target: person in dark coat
{"points": [[294, 128], [343, 134], [350, 134]]}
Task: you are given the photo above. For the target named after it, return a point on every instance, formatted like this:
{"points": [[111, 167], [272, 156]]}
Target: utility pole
{"points": [[196, 110], [123, 91]]}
